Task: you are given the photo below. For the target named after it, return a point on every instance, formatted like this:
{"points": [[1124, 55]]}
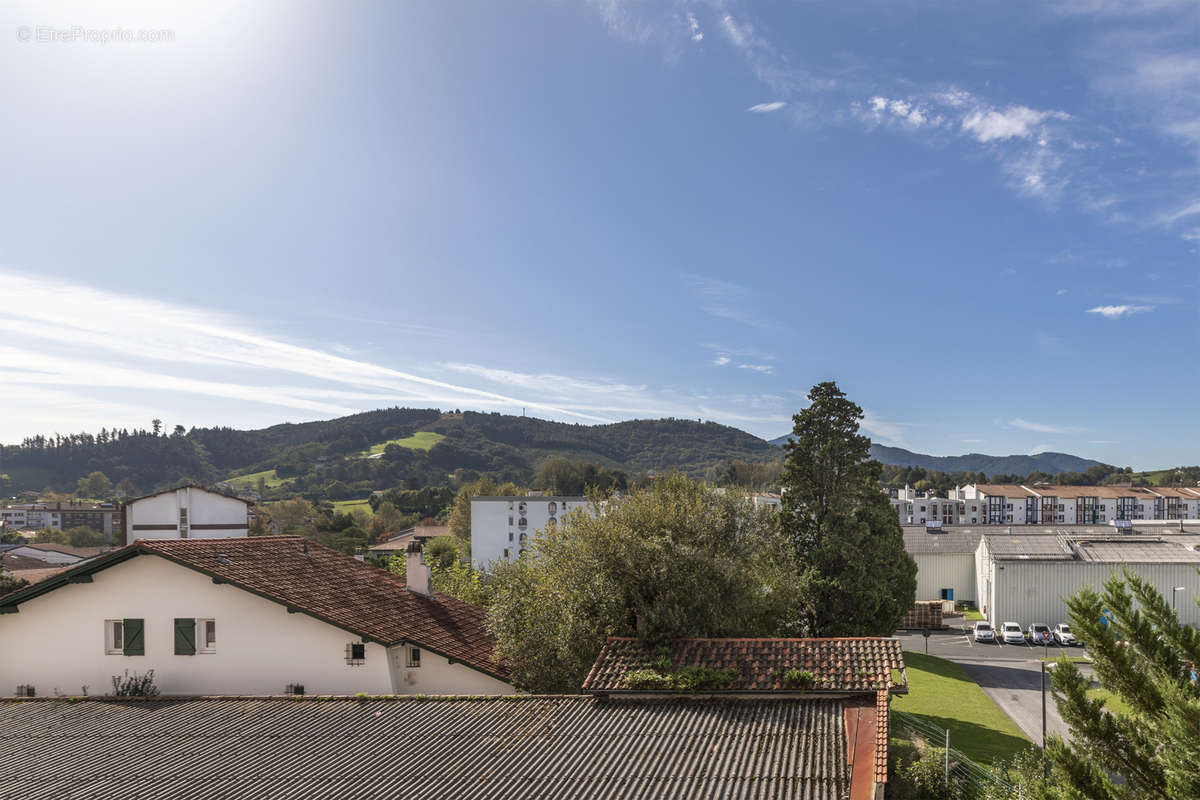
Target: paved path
{"points": [[1009, 674]]}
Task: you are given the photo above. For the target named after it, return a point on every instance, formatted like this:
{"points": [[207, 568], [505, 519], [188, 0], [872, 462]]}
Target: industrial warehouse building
{"points": [[1023, 574], [1026, 578]]}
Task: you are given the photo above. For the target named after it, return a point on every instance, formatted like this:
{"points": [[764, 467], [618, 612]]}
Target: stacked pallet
{"points": [[925, 614]]}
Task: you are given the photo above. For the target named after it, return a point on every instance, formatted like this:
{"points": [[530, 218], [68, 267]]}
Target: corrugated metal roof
{"points": [[1136, 551], [316, 749], [952, 541]]}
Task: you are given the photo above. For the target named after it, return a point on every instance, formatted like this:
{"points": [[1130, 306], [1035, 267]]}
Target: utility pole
{"points": [[947, 767]]}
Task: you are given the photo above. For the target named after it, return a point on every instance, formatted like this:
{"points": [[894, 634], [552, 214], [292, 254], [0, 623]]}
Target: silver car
{"points": [[1039, 633], [1062, 635]]}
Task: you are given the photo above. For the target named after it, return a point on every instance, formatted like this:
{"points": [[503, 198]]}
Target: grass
{"points": [[250, 481], [941, 692], [421, 440], [346, 506], [1111, 701]]}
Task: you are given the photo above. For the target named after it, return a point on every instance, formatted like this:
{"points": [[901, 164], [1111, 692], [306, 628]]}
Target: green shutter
{"points": [[185, 636], [135, 637]]}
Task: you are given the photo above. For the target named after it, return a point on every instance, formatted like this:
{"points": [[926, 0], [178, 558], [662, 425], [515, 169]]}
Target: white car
{"points": [[1039, 633], [983, 632], [1011, 633], [1063, 635]]}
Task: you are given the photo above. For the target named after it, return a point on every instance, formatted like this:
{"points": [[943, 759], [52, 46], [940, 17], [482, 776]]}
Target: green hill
{"points": [[347, 457]]}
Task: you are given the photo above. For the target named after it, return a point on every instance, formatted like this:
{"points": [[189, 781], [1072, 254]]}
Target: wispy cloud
{"points": [[1061, 292], [973, 441], [1014, 122], [769, 369], [727, 300], [1041, 427], [68, 366], [694, 31], [766, 108], [721, 360], [1039, 448], [1116, 312]]}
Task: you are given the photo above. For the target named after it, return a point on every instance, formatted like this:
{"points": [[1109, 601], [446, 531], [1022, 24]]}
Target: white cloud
{"points": [[1189, 210], [764, 368], [766, 108], [721, 361], [694, 28], [973, 441], [909, 113], [1061, 292], [881, 430], [1040, 427], [738, 34], [1039, 448], [1116, 312], [727, 300], [1013, 122]]}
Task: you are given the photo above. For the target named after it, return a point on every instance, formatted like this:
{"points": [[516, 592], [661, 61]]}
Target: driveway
{"points": [[1010, 674]]}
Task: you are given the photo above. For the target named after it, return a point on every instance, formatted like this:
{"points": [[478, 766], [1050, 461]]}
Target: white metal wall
{"points": [[937, 571]]}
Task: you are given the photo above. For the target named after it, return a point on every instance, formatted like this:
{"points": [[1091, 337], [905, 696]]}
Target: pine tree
{"points": [[857, 578]]}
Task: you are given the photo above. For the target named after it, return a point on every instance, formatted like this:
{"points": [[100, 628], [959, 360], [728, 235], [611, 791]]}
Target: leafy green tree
{"points": [[51, 536], [674, 560], [855, 576], [442, 551], [1147, 659], [83, 536], [95, 485], [390, 517]]}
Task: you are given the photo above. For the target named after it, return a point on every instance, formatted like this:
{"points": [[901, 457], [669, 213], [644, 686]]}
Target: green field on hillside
{"points": [[421, 440], [346, 506], [251, 481], [940, 692]]}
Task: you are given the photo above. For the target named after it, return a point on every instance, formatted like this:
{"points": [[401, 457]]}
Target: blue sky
{"points": [[983, 222]]}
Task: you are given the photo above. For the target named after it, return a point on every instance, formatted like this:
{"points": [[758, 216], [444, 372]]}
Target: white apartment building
{"points": [[914, 508], [186, 512], [1047, 504], [502, 527]]}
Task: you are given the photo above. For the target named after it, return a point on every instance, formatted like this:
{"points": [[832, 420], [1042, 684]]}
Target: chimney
{"points": [[417, 575]]}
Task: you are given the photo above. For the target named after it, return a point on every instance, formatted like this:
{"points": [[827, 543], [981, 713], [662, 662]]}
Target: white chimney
{"points": [[417, 573]]}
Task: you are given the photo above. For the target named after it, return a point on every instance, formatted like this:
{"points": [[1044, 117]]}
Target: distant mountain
{"points": [[1049, 463]]}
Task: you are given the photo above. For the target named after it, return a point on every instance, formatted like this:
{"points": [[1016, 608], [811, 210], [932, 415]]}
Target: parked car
{"points": [[1063, 635], [1011, 633], [1039, 633], [983, 632]]}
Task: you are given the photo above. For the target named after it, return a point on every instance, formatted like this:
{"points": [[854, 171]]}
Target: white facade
{"points": [[913, 508], [187, 512], [946, 576], [57, 642], [1042, 504], [503, 527]]}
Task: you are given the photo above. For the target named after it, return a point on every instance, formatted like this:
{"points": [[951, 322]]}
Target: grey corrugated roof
{"points": [[1136, 551], [316, 749], [950, 541]]}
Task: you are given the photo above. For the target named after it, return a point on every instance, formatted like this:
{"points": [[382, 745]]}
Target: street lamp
{"points": [[1174, 592], [1045, 765]]}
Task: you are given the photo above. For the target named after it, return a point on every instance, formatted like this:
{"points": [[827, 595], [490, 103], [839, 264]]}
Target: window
{"points": [[510, 536], [124, 637], [414, 657], [510, 519], [206, 635], [356, 653], [506, 554], [114, 637]]}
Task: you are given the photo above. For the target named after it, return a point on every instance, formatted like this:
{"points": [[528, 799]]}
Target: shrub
{"points": [[646, 679], [800, 678], [134, 685]]}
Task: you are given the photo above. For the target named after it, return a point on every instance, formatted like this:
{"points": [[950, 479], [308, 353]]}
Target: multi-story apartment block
{"points": [[103, 518], [1046, 504], [915, 508], [502, 527], [186, 512]]}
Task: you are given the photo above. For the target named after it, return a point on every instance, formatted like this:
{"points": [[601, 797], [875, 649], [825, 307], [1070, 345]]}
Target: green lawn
{"points": [[421, 440], [251, 481], [346, 506], [941, 692], [1112, 702]]}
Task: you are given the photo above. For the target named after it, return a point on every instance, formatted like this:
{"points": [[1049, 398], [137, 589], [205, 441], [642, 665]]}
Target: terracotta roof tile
{"points": [[841, 664]]}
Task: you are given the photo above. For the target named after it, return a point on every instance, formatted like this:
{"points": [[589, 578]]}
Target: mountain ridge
{"points": [[1016, 464]]}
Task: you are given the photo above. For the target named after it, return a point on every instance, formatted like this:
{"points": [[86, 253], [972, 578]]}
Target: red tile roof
{"points": [[842, 664], [311, 579]]}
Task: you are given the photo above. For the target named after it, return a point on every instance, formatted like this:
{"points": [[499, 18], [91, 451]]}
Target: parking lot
{"points": [[1010, 674]]}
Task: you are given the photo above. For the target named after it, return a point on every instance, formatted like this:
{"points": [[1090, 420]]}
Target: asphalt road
{"points": [[1010, 674]]}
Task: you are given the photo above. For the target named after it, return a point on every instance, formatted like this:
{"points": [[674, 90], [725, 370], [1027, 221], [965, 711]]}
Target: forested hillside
{"points": [[381, 449]]}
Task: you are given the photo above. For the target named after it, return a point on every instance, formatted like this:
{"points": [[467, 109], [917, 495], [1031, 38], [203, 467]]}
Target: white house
{"points": [[502, 527], [186, 512], [239, 616]]}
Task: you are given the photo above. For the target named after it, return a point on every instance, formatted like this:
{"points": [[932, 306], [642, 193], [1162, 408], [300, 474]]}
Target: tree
{"points": [[674, 560], [157, 425], [855, 576], [10, 583], [125, 488], [293, 516], [442, 551], [390, 517], [95, 485], [51, 536], [83, 536], [1147, 659]]}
